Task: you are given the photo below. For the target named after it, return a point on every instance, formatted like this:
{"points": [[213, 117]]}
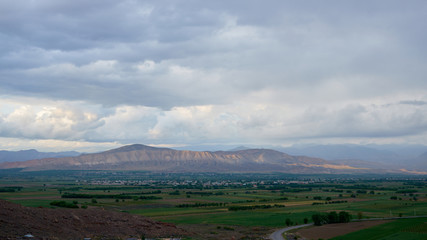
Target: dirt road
{"points": [[277, 235]]}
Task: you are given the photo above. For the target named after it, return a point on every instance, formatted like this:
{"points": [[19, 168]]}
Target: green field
{"points": [[408, 229]]}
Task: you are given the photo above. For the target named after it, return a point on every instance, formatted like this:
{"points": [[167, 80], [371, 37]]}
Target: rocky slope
{"points": [[44, 223], [141, 157]]}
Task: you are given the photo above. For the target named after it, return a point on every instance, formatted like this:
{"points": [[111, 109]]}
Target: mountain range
{"points": [[23, 155], [384, 156], [142, 157]]}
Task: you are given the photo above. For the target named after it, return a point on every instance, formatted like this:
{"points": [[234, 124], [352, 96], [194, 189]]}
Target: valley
{"points": [[220, 206]]}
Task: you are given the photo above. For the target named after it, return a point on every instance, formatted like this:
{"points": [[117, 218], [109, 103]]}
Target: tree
{"points": [[288, 222], [319, 219], [305, 220], [333, 217], [344, 217]]}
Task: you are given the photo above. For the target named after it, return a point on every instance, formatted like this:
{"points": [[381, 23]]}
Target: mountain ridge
{"points": [[147, 158]]}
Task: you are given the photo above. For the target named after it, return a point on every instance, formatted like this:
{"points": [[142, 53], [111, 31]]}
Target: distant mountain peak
{"points": [[133, 147], [240, 148]]}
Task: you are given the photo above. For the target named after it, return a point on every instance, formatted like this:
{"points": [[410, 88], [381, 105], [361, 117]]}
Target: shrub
{"points": [[63, 204]]}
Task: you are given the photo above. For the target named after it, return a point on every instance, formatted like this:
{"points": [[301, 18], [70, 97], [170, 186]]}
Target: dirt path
{"points": [[332, 230], [277, 235]]}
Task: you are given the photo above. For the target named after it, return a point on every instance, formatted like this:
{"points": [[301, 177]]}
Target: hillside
{"points": [[141, 157], [43, 223]]}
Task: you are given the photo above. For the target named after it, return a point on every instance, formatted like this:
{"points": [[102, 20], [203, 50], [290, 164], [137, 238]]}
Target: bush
{"points": [[288, 222], [305, 220], [175, 193], [228, 228], [63, 204]]}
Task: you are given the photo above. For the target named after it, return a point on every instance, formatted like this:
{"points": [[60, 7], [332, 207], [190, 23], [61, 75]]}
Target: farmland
{"points": [[215, 204], [409, 229]]}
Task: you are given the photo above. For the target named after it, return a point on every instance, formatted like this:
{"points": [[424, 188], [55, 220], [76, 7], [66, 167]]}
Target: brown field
{"points": [[337, 229]]}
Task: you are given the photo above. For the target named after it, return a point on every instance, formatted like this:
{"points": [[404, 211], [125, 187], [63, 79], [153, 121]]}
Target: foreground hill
{"points": [[43, 223], [141, 157]]}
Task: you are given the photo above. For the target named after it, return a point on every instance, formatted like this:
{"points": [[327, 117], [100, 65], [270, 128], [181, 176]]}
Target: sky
{"points": [[95, 75]]}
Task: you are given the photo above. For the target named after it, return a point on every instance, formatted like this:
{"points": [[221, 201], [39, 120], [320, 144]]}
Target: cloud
{"points": [[366, 121], [54, 145], [110, 82], [245, 122], [48, 123], [176, 72], [413, 102]]}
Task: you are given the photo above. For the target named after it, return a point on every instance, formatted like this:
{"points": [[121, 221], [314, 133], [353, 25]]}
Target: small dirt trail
{"points": [[277, 235]]}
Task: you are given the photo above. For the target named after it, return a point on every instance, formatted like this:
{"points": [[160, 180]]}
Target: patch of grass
{"points": [[34, 202], [267, 218], [173, 211]]}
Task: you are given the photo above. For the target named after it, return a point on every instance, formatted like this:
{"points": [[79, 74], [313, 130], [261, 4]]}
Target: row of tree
{"points": [[213, 204], [331, 217], [64, 204], [252, 207], [103, 196]]}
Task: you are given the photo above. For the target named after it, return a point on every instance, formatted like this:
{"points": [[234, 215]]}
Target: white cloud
{"points": [[48, 122], [53, 145]]}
